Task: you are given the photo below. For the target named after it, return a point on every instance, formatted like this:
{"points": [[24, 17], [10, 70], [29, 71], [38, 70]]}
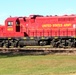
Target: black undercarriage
{"points": [[55, 42]]}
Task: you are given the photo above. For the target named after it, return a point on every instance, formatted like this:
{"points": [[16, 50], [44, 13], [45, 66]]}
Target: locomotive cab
{"points": [[12, 24], [13, 27]]}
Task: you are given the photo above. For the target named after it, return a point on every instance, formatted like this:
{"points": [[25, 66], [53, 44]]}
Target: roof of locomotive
{"points": [[11, 18], [41, 17], [56, 16]]}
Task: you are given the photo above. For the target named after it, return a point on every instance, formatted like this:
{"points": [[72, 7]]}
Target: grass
{"points": [[38, 65]]}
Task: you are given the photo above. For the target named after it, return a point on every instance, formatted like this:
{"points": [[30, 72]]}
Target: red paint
{"points": [[38, 26]]}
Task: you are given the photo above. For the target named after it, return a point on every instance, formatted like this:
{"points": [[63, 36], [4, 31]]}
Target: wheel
{"points": [[6, 45], [1, 44], [61, 45], [15, 44], [20, 44], [71, 44], [53, 44], [42, 43]]}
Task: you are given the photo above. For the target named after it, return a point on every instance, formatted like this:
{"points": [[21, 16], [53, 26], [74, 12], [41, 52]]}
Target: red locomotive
{"points": [[57, 31]]}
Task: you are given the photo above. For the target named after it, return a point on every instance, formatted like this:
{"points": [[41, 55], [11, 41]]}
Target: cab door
{"points": [[17, 26]]}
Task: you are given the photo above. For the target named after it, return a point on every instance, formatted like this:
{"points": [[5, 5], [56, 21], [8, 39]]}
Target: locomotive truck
{"points": [[56, 31]]}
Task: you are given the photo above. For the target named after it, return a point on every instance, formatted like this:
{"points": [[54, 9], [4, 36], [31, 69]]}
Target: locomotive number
{"points": [[10, 29]]}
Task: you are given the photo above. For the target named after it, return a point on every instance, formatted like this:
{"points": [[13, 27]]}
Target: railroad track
{"points": [[38, 50], [45, 48]]}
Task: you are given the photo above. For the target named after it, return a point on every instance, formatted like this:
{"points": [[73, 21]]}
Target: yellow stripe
{"points": [[42, 38], [55, 37], [31, 37], [9, 38], [24, 38]]}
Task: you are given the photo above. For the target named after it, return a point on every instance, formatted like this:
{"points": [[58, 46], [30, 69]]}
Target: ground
{"points": [[38, 65]]}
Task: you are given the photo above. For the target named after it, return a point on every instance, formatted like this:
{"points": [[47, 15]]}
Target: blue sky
{"points": [[42, 7]]}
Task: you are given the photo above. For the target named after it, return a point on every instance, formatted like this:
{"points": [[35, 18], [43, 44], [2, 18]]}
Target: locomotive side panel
{"points": [[51, 26]]}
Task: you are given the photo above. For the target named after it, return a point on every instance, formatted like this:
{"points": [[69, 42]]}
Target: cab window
{"points": [[17, 22], [10, 23]]}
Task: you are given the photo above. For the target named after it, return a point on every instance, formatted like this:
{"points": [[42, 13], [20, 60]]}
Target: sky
{"points": [[39, 7]]}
